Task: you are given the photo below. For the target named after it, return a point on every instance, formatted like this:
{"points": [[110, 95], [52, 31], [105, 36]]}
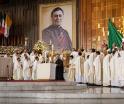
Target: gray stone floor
{"points": [[58, 93], [86, 95], [60, 101]]}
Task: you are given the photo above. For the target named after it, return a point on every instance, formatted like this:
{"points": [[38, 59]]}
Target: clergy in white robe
{"points": [[87, 53], [27, 68], [91, 70], [97, 64], [19, 70], [15, 69], [71, 72], [122, 68], [112, 68], [23, 57], [86, 69], [32, 56], [79, 69], [34, 68], [74, 53], [106, 70], [117, 69], [15, 56]]}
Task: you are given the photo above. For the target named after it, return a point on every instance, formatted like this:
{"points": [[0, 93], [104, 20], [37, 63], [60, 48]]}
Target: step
{"points": [[43, 83], [84, 93], [40, 88], [59, 95], [59, 101], [57, 90]]}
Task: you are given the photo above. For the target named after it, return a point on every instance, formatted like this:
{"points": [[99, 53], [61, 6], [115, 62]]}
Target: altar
{"points": [[46, 71], [6, 68]]}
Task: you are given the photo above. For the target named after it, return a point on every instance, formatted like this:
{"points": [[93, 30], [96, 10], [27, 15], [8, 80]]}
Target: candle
{"points": [[45, 56], [26, 41]]}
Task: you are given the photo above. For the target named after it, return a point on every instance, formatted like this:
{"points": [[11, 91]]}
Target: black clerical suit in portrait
{"points": [[55, 33]]}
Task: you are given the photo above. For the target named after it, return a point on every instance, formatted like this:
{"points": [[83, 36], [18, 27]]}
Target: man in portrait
{"points": [[55, 33]]}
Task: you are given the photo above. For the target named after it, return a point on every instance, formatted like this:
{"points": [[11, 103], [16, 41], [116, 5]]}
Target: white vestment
{"points": [[97, 74], [26, 69], [79, 72], [34, 70], [117, 69], [14, 66], [86, 54], [71, 72], [19, 71], [122, 68], [32, 57], [75, 54], [106, 70], [91, 70], [112, 70], [86, 71], [14, 57], [23, 57]]}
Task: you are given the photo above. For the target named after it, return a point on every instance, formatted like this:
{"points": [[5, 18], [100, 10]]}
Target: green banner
{"points": [[114, 37]]}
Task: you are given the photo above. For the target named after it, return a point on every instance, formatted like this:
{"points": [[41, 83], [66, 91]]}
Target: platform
{"points": [[51, 92]]}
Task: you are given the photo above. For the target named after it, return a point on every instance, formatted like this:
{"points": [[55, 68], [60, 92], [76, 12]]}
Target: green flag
{"points": [[115, 37]]}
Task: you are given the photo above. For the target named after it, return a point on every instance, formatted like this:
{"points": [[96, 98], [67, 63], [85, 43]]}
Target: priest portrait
{"points": [[56, 33]]}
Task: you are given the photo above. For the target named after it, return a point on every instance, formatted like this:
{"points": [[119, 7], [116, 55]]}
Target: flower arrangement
{"points": [[8, 49], [40, 46], [2, 49]]}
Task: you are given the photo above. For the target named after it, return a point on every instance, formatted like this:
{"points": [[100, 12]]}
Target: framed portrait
{"points": [[68, 20]]}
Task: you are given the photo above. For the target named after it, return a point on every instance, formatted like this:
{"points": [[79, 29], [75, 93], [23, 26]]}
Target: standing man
{"points": [[97, 66], [79, 68], [59, 68], [91, 70], [55, 33]]}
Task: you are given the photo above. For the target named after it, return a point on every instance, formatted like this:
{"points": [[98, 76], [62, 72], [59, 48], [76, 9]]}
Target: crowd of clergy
{"points": [[25, 65], [105, 68]]}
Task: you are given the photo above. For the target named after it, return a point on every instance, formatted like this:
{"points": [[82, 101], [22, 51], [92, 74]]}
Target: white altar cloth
{"points": [[46, 71]]}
